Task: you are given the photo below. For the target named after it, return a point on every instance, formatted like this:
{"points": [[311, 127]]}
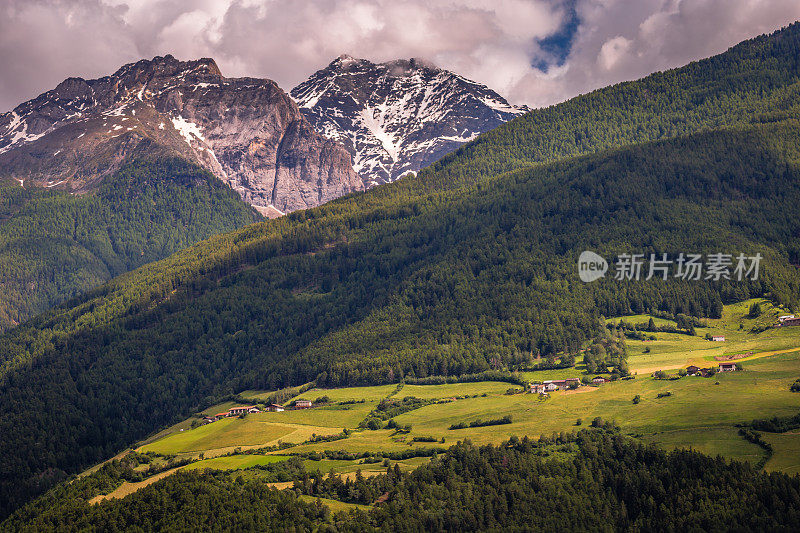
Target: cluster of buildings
{"points": [[787, 320], [727, 366], [558, 384], [233, 411], [242, 409]]}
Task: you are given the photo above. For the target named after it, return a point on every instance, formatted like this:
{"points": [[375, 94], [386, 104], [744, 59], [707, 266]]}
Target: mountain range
{"points": [[73, 219], [469, 265], [246, 131], [400, 116]]}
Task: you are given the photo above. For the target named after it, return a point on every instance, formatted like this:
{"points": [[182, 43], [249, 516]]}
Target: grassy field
{"points": [[235, 462], [787, 452], [672, 351], [369, 394], [334, 416], [712, 441], [432, 392], [225, 435], [700, 413], [334, 505]]}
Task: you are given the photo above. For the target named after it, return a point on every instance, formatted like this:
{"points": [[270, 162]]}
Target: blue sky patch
{"points": [[556, 47]]}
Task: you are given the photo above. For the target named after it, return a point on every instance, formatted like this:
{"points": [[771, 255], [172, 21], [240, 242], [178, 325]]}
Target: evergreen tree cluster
{"points": [[595, 480], [55, 245]]}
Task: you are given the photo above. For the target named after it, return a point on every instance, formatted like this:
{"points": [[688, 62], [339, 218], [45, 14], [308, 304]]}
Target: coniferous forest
{"points": [[468, 267], [596, 480], [54, 246]]}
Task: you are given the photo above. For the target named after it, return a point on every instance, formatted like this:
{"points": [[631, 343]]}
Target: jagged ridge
{"points": [[399, 116], [247, 131]]}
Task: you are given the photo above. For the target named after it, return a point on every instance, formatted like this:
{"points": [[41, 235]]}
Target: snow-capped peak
{"points": [[399, 116]]}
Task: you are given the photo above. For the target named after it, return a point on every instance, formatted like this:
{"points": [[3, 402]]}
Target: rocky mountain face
{"points": [[247, 131], [399, 116]]}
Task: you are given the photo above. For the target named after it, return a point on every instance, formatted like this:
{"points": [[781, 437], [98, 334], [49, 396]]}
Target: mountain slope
{"points": [[608, 482], [753, 82], [399, 116], [367, 291], [246, 131], [54, 245], [435, 274]]}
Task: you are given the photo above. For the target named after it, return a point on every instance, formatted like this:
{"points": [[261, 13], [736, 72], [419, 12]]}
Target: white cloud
{"points": [[492, 41], [613, 51]]}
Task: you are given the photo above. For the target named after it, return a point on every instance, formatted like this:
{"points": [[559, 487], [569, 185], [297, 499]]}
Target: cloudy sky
{"points": [[536, 52]]}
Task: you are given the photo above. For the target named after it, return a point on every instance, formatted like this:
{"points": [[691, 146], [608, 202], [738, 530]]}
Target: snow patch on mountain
{"points": [[246, 131], [399, 116], [188, 130]]}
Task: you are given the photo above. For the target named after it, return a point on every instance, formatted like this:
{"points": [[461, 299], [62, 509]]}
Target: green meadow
{"points": [[699, 413], [225, 435], [335, 505], [235, 462], [453, 390], [334, 416], [786, 448]]}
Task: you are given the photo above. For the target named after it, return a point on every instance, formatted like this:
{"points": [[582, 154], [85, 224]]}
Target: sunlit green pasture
{"points": [[451, 390], [335, 416], [224, 435], [786, 447], [235, 462], [672, 351], [701, 413], [375, 393], [335, 505], [713, 441]]}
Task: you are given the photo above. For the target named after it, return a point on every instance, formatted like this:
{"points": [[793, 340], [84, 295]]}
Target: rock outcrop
{"points": [[247, 131]]}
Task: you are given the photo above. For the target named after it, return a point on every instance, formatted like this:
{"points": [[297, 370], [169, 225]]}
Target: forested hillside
{"points": [[356, 292], [590, 482], [416, 278], [54, 246]]}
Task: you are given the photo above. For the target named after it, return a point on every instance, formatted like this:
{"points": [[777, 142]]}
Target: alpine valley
{"points": [[421, 355]]}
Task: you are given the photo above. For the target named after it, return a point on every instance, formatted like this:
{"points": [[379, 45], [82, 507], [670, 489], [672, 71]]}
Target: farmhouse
{"points": [[692, 370], [600, 379], [789, 320], [727, 367], [275, 408], [303, 404], [556, 384], [718, 338], [537, 388], [236, 411], [220, 415]]}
